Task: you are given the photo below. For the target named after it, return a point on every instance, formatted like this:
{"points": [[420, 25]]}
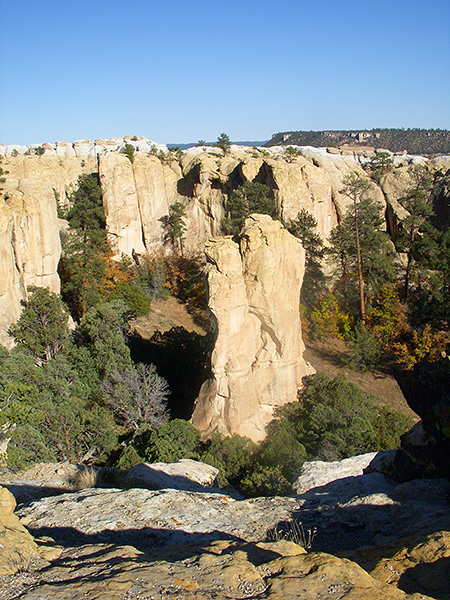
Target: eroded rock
{"points": [[186, 474], [317, 472], [257, 362], [29, 246], [16, 544], [221, 570]]}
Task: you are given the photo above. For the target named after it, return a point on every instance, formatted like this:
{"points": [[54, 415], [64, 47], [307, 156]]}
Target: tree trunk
{"points": [[362, 303], [407, 275]]}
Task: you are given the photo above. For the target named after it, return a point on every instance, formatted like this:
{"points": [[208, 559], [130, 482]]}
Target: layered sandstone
{"points": [[29, 246], [138, 193], [257, 362], [16, 544]]}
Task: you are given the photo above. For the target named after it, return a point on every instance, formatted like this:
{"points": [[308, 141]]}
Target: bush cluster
{"points": [[332, 420]]}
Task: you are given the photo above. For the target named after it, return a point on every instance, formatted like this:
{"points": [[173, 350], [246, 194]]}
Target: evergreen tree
{"points": [[174, 226], [304, 227], [42, 328], [381, 164], [251, 197], [224, 143], [419, 204], [360, 247], [85, 248]]}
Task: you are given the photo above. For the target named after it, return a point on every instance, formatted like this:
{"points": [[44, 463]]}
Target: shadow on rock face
{"points": [[425, 449]]}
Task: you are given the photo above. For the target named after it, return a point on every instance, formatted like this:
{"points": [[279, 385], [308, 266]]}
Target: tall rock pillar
{"points": [[257, 362]]}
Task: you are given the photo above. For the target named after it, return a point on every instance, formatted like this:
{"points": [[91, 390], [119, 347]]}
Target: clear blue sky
{"points": [[184, 70]]}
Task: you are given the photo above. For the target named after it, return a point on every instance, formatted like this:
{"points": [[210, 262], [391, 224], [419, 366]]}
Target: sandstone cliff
{"points": [[29, 246], [137, 194], [257, 363]]}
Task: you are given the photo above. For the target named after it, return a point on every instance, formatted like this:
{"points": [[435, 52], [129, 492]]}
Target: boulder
{"points": [[186, 474], [224, 569], [316, 473], [16, 544], [415, 564], [257, 362]]}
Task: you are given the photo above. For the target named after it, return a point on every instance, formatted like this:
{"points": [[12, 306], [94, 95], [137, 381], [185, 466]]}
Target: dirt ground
{"points": [[165, 315], [326, 357]]}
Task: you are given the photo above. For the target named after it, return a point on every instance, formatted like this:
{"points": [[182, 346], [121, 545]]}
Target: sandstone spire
{"points": [[257, 362]]}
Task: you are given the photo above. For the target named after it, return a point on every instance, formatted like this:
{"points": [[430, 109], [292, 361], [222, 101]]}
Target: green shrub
{"points": [[129, 458], [265, 481], [134, 297], [233, 456], [282, 449], [173, 441], [251, 197], [49, 403], [365, 350], [333, 419], [129, 151]]}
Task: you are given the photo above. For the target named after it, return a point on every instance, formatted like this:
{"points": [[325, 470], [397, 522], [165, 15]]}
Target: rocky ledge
{"points": [[365, 534]]}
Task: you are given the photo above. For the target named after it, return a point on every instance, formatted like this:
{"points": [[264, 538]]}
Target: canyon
{"points": [[137, 194], [254, 287]]}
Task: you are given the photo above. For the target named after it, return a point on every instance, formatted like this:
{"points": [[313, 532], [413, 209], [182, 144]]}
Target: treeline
{"points": [[388, 296], [413, 141]]}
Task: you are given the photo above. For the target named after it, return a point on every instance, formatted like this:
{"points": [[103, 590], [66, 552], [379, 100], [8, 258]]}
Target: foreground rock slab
{"points": [[220, 570], [16, 544], [347, 513]]}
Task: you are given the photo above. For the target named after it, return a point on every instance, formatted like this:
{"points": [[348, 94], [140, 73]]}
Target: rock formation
{"points": [[29, 246], [425, 449], [137, 543], [257, 362], [138, 193], [16, 544]]}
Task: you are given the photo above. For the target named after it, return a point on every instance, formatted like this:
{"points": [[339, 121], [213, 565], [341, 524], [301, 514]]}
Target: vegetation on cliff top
{"points": [[413, 141]]}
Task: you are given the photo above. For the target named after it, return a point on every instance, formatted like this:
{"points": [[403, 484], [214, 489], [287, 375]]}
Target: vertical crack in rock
{"points": [[138, 200], [257, 363]]}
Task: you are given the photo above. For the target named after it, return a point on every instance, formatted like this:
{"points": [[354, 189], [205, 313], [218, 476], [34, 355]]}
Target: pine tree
{"points": [[304, 227], [42, 328], [419, 204], [360, 247]]}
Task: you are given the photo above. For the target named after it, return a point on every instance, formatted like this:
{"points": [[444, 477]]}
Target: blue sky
{"points": [[184, 70]]}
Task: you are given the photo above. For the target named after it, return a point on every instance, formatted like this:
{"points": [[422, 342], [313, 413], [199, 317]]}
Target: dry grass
{"points": [[90, 477], [292, 531]]}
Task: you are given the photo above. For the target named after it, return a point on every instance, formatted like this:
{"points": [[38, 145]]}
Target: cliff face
{"points": [[137, 194], [29, 246], [257, 363]]}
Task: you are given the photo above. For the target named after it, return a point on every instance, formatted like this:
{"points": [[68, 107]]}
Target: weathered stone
{"points": [[347, 513], [138, 194], [185, 474], [257, 362], [29, 246], [220, 570], [419, 564], [155, 517], [317, 473], [425, 449], [16, 544]]}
